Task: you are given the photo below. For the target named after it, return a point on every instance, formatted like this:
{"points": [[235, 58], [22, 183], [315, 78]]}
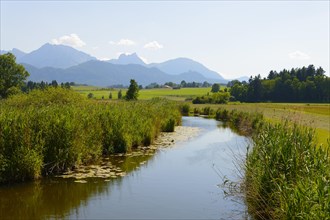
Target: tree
{"points": [[110, 95], [215, 88], [90, 95], [183, 84], [12, 75], [54, 83], [67, 85], [133, 91], [120, 95]]}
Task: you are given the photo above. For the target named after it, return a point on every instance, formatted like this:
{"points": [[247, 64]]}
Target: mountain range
{"points": [[66, 64]]}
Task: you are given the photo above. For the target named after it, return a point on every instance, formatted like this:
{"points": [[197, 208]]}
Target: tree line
{"points": [[30, 85], [306, 84]]}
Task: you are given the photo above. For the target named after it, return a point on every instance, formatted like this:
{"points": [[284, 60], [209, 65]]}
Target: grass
{"points": [[316, 116], [50, 131], [286, 175], [145, 94]]}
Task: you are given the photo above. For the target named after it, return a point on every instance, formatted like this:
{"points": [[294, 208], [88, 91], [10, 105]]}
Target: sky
{"points": [[234, 38]]}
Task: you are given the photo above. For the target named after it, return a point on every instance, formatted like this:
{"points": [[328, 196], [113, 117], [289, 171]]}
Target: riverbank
{"points": [[49, 132], [287, 174], [315, 116], [108, 169], [176, 182]]}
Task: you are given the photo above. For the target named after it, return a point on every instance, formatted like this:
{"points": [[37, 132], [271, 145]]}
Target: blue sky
{"points": [[238, 38]]}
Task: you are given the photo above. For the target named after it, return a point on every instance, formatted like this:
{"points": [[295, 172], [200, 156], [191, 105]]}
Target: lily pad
{"points": [[80, 181]]}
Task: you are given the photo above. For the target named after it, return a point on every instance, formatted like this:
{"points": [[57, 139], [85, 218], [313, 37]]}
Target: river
{"points": [[177, 182]]}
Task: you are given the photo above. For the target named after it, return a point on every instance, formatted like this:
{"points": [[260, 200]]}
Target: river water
{"points": [[178, 182]]}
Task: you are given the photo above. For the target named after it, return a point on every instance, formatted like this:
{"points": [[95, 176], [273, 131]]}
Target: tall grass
{"points": [[50, 131], [287, 176]]}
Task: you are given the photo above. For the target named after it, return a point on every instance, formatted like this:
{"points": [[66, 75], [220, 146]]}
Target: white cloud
{"points": [[72, 40], [153, 45], [298, 55], [123, 42]]}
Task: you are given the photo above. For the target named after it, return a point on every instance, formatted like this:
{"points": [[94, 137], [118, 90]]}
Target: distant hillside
{"points": [[18, 53], [181, 65], [57, 56], [100, 73], [64, 63]]}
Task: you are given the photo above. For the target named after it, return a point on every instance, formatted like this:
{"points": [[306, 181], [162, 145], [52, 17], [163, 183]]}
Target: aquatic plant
{"points": [[50, 131], [287, 176], [243, 122]]}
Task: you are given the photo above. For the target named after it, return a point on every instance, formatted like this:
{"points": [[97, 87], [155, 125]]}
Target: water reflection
{"points": [[58, 198], [177, 182]]}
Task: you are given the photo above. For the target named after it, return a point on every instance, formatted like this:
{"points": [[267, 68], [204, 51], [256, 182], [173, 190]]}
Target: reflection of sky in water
{"points": [[177, 182]]}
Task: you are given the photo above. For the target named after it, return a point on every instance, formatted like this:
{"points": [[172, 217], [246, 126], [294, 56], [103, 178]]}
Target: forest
{"points": [[306, 84]]}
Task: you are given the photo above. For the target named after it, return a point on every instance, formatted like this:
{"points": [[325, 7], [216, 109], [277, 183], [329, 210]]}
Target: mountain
{"points": [[128, 59], [182, 65], [64, 63], [58, 56], [18, 53], [101, 73]]}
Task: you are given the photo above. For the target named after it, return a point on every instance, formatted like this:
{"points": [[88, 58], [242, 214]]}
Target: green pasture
{"points": [[145, 94]]}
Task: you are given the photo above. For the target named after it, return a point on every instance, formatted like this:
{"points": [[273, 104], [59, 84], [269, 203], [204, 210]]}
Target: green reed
{"points": [[50, 131], [287, 176]]}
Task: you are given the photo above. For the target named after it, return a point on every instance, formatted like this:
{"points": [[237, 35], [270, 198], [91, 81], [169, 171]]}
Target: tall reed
{"points": [[287, 175], [54, 130]]}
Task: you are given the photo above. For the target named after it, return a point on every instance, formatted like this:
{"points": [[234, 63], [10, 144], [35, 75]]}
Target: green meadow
{"points": [[316, 116], [144, 94]]}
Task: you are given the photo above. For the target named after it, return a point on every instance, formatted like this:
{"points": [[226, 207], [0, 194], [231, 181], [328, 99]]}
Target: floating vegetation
{"points": [[113, 166], [51, 131], [80, 181]]}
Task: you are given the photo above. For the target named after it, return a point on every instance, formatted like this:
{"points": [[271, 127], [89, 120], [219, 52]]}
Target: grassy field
{"points": [[145, 94], [316, 116]]}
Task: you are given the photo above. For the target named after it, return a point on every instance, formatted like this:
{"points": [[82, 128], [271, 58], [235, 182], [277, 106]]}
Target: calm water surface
{"points": [[180, 182]]}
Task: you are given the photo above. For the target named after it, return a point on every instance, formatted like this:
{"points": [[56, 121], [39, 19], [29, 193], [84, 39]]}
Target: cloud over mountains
{"points": [[153, 45], [72, 40]]}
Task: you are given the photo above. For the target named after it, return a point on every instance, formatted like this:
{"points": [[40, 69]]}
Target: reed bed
{"points": [[51, 131], [287, 176], [286, 173]]}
